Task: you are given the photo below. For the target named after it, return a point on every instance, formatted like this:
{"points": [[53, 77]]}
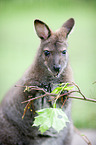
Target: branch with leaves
{"points": [[56, 92], [58, 118]]}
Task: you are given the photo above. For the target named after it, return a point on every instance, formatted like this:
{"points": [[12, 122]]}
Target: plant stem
{"points": [[83, 136]]}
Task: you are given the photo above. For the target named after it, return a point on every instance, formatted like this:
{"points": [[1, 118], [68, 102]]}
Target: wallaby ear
{"points": [[69, 25], [42, 29]]}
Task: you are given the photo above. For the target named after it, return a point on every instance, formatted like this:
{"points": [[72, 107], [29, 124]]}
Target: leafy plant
{"points": [[52, 117]]}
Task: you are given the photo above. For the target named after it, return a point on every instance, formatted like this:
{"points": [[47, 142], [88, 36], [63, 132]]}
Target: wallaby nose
{"points": [[57, 68]]}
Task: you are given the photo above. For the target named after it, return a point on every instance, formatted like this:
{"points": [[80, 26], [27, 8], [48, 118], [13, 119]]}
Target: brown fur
{"points": [[44, 72]]}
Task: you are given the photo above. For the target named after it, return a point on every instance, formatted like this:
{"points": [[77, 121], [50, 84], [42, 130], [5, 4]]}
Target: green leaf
{"points": [[50, 117], [62, 84], [54, 105], [61, 88], [68, 88], [56, 90]]}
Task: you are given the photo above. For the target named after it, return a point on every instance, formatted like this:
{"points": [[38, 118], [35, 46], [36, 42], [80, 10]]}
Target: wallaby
{"points": [[51, 66]]}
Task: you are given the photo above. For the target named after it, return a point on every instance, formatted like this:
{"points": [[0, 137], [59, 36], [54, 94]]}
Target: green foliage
{"points": [[50, 117], [53, 117], [62, 87]]}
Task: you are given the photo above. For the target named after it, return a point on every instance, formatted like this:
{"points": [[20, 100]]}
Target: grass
{"points": [[18, 45]]}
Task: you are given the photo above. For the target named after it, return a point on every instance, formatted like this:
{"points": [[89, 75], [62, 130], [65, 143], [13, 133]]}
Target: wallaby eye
{"points": [[64, 52], [47, 53]]}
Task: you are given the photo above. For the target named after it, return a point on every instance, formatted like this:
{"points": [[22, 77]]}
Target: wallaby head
{"points": [[53, 48]]}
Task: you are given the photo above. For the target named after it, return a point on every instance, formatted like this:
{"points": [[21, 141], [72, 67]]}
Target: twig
{"points": [[30, 101], [85, 99], [56, 96], [79, 91], [38, 97], [76, 97], [83, 136], [64, 102], [32, 88], [25, 109]]}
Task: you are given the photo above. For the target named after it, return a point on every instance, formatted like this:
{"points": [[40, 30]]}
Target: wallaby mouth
{"points": [[57, 75], [55, 71]]}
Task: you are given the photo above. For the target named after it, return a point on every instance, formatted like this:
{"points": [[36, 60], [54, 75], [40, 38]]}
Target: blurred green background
{"points": [[19, 43]]}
